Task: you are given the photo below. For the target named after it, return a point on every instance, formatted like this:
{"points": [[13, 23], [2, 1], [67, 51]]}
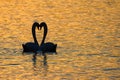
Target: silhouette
{"points": [[45, 47], [32, 46]]}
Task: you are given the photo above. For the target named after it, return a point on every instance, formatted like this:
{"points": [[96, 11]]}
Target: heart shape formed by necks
{"points": [[34, 46]]}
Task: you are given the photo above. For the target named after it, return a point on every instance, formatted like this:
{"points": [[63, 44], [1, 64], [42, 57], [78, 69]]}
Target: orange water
{"points": [[87, 33]]}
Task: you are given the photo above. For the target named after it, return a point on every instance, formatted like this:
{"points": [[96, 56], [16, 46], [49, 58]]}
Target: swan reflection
{"points": [[40, 68]]}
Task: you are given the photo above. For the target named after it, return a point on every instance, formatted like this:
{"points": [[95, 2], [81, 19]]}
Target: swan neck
{"points": [[45, 32], [34, 34]]}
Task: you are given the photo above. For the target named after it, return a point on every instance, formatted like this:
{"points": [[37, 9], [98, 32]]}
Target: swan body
{"points": [[32, 46], [48, 47]]}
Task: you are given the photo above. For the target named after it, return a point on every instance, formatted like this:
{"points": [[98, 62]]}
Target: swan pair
{"points": [[34, 46]]}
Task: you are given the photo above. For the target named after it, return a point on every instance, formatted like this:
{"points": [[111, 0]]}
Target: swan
{"points": [[48, 46], [32, 46]]}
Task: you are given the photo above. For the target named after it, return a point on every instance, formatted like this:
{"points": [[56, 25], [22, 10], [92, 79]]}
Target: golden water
{"points": [[87, 33]]}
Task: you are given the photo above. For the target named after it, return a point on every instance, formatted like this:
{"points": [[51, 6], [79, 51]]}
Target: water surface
{"points": [[87, 34]]}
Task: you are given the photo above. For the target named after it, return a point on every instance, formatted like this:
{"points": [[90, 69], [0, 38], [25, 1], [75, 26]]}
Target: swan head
{"points": [[36, 24]]}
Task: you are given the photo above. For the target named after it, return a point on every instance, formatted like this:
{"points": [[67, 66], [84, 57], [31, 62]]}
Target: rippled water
{"points": [[87, 33]]}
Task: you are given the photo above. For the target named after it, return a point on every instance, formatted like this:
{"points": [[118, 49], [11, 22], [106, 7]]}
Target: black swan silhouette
{"points": [[32, 46], [48, 46]]}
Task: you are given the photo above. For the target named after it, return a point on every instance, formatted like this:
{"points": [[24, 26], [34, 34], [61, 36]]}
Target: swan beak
{"points": [[40, 27]]}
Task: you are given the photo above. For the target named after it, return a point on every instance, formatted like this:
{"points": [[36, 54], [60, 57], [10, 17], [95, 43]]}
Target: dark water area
{"points": [[87, 34]]}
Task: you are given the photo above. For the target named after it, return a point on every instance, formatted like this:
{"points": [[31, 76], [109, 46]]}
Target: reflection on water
{"points": [[87, 34], [40, 67]]}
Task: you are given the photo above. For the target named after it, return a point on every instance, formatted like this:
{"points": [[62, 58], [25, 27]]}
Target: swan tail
{"points": [[55, 47], [23, 48]]}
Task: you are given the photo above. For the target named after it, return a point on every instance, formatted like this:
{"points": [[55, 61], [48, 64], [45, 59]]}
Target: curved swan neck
{"points": [[35, 24], [43, 24]]}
